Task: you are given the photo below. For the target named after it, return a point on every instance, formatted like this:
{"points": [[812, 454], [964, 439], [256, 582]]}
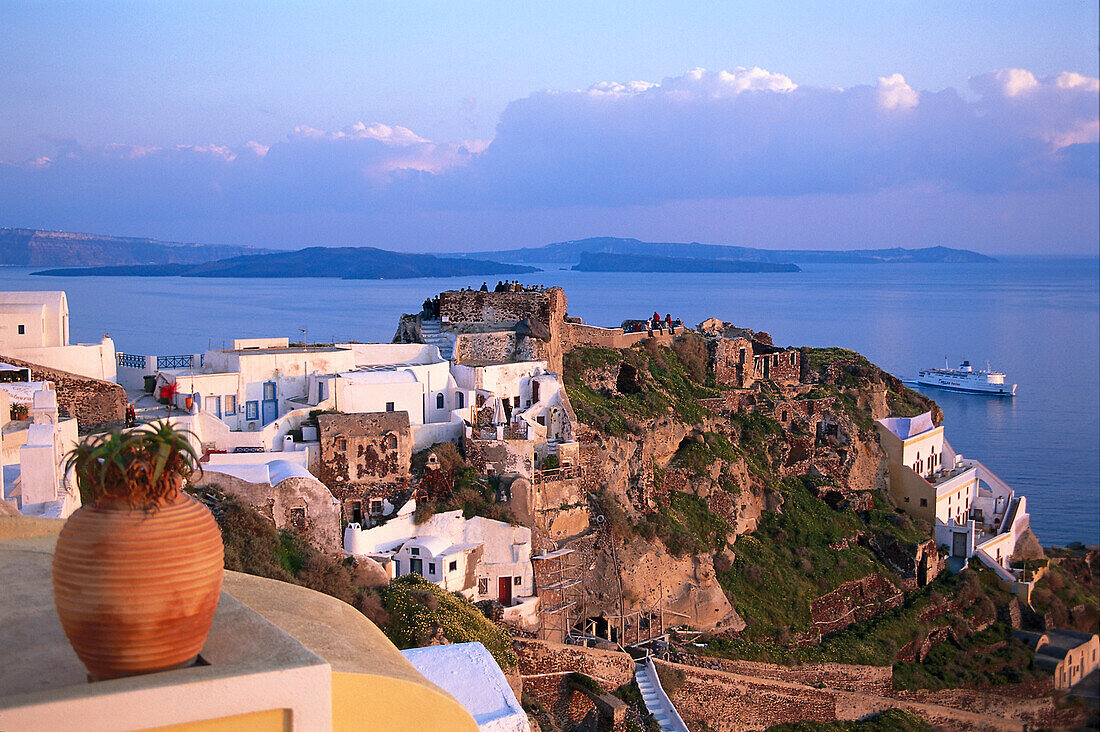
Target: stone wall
{"points": [[94, 403], [536, 658], [578, 335], [480, 348], [731, 702], [365, 456], [781, 366], [733, 363], [854, 601], [501, 457], [505, 308], [319, 523], [850, 677]]}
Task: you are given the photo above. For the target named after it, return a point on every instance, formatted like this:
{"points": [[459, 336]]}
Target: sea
{"points": [[1035, 318]]}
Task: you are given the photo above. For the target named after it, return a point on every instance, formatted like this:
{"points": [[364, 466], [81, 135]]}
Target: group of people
{"points": [[431, 308], [654, 323], [510, 286]]}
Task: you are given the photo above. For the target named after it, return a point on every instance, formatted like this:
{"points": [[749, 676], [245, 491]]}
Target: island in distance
{"points": [[349, 263], [570, 252], [95, 255], [593, 262]]}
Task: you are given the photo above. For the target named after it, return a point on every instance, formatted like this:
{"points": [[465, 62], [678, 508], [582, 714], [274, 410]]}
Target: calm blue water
{"points": [[1037, 319]]}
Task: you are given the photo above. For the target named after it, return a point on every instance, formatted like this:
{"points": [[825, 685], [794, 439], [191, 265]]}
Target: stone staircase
{"points": [[656, 700], [433, 336]]}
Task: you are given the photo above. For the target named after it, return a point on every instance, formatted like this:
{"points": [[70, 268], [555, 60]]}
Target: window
{"points": [[439, 401], [389, 441], [452, 566], [22, 329], [515, 402], [483, 585], [460, 400], [431, 567], [783, 416], [515, 580], [376, 506], [415, 551], [230, 404], [389, 406], [341, 443], [924, 502], [269, 390], [297, 518], [356, 512], [252, 410]]}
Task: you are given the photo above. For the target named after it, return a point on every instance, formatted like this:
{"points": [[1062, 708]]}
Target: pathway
{"points": [[656, 700], [433, 337]]}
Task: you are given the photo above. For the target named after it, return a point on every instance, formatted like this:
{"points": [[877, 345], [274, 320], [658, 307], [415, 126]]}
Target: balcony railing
{"points": [[130, 360], [175, 362]]}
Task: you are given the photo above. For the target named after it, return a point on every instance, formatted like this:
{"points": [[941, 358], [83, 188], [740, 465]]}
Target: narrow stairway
{"points": [[433, 337], [656, 700]]}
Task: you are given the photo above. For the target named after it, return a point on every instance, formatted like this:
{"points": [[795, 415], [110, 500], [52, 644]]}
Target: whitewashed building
{"points": [[254, 393], [528, 402], [973, 512], [34, 327], [479, 557]]}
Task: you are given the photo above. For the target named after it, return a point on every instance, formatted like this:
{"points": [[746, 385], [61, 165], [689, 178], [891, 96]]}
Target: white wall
{"points": [[96, 360]]}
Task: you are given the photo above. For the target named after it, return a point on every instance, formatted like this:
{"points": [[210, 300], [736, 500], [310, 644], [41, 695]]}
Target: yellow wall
{"points": [[364, 701], [272, 720]]}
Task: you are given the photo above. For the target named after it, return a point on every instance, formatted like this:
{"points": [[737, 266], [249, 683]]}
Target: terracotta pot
{"points": [[136, 591]]}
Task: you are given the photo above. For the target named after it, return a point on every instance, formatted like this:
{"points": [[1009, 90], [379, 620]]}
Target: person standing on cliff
{"points": [[484, 286]]}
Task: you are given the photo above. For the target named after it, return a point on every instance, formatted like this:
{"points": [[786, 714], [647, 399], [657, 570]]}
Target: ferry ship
{"points": [[966, 379]]}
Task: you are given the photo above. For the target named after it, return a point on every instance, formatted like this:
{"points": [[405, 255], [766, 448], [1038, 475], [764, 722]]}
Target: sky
{"points": [[450, 126]]}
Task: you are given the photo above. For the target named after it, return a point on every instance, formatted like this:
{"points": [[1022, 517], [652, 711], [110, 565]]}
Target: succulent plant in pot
{"points": [[137, 570]]}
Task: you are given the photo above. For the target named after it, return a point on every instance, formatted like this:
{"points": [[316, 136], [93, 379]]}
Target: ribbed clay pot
{"points": [[136, 591]]}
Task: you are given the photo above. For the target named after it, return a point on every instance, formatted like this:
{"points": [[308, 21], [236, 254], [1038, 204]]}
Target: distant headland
{"points": [[83, 255]]}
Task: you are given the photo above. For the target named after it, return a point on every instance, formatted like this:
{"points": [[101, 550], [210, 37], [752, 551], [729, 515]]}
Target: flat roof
{"points": [[905, 428], [286, 349], [470, 674]]}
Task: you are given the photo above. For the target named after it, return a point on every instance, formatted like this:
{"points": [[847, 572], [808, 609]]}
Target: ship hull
{"points": [[1003, 390]]}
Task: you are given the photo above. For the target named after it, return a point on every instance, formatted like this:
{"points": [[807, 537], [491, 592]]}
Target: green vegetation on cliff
{"points": [[420, 610], [651, 381], [793, 557]]}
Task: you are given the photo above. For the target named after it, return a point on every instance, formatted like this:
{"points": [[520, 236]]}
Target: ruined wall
{"points": [[781, 366], [279, 504], [365, 456], [502, 457], [733, 363], [545, 309], [479, 348], [96, 404], [854, 601]]}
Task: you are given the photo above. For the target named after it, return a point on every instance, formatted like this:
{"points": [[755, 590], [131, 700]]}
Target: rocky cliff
{"points": [[38, 247]]}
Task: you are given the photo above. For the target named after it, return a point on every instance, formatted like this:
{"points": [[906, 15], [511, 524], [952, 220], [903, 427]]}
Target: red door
{"points": [[504, 590]]}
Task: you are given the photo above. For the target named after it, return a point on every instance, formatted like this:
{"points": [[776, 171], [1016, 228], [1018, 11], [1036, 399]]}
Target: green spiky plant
{"points": [[139, 468]]}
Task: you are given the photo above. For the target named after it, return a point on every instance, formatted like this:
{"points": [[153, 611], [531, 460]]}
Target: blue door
{"points": [[270, 404]]}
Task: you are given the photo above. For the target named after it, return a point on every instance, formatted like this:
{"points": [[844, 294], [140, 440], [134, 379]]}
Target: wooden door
{"points": [[504, 591]]}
